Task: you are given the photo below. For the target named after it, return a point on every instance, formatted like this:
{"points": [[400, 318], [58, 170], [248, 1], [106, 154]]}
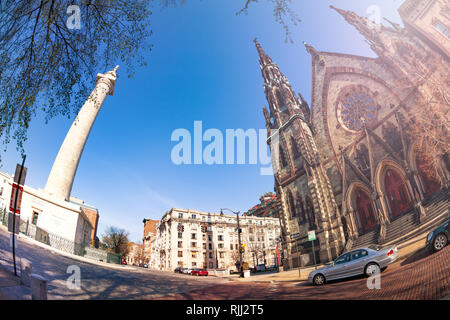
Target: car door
{"points": [[339, 268], [357, 262]]}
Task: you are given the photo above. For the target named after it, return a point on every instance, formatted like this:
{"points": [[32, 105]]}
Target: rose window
{"points": [[356, 106]]}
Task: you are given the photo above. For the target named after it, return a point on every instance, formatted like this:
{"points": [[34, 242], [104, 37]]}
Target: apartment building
{"points": [[196, 239]]}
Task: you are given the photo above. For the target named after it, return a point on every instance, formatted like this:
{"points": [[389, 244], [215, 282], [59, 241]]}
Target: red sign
{"points": [[278, 256], [13, 198]]}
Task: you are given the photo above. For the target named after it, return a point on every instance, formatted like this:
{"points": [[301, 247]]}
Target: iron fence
{"points": [[60, 243]]}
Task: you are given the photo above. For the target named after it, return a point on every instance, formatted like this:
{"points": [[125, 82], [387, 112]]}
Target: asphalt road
{"points": [[99, 282], [422, 276]]}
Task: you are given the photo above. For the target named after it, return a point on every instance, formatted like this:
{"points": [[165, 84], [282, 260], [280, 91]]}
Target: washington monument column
{"points": [[61, 177]]}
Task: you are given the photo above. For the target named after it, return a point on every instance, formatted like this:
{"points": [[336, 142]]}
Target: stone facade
{"points": [[346, 165], [195, 239]]}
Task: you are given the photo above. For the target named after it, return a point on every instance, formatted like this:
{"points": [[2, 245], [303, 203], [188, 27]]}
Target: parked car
{"points": [[199, 272], [368, 261], [187, 270], [260, 268], [145, 265], [438, 238], [124, 262], [178, 270]]}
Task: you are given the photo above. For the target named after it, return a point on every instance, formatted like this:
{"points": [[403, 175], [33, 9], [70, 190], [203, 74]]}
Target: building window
{"points": [[220, 237], [220, 245], [180, 244], [209, 237], [231, 246], [193, 236], [180, 235], [193, 244], [204, 246], [209, 246], [194, 264], [442, 28], [35, 218], [221, 254], [210, 255], [180, 215], [211, 265], [194, 255], [180, 263], [180, 253], [194, 216]]}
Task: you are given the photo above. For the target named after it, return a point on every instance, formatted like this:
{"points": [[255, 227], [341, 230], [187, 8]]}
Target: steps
{"points": [[408, 225], [364, 240]]}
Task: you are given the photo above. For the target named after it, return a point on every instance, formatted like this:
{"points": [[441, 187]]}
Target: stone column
{"points": [[61, 177]]}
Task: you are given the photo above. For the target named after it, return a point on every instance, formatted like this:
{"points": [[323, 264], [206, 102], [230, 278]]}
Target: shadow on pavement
{"points": [[418, 255]]}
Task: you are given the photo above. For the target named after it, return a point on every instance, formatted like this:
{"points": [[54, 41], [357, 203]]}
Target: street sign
{"points": [[13, 198], [311, 235], [16, 221], [21, 175]]}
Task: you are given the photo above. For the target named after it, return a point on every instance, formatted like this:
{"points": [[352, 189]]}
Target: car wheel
{"points": [[319, 279], [371, 269], [440, 241]]}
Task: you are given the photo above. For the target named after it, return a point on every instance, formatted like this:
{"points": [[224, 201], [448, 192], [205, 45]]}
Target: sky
{"points": [[203, 67]]}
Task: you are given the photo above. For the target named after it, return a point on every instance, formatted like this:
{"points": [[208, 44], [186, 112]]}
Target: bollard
{"points": [[25, 272], [38, 287]]}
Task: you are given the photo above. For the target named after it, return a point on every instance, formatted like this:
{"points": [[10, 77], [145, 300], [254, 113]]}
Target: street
{"points": [[99, 282], [423, 275]]}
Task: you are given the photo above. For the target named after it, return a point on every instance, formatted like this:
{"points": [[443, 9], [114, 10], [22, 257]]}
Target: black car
{"points": [[438, 238], [178, 270]]}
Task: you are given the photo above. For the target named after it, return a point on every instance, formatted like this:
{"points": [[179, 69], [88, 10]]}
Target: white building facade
{"points": [[48, 219], [194, 239]]}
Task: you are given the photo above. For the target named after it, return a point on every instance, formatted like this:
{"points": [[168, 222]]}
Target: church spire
{"points": [[264, 59], [283, 102]]}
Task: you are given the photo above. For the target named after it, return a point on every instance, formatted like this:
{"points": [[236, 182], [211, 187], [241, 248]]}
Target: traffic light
{"points": [[242, 248]]}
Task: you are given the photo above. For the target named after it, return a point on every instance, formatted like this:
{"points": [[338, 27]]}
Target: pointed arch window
{"points": [[310, 212], [291, 204], [301, 209], [295, 149], [283, 160]]}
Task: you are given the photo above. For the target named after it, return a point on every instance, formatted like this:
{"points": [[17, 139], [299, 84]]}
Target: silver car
{"points": [[368, 261]]}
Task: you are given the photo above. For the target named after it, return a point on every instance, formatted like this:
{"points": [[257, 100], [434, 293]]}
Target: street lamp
{"points": [[239, 239]]}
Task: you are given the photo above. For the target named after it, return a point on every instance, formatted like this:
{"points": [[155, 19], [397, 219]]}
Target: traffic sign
{"points": [[311, 235], [13, 198]]}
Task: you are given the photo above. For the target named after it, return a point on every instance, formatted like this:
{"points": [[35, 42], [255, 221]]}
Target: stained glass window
{"points": [[356, 107]]}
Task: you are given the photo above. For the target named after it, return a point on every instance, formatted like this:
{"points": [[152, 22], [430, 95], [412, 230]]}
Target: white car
{"points": [[187, 271]]}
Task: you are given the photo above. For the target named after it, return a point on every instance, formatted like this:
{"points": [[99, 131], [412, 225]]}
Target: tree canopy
{"points": [[50, 50]]}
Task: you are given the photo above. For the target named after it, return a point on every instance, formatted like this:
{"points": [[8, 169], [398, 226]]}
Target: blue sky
{"points": [[204, 66]]}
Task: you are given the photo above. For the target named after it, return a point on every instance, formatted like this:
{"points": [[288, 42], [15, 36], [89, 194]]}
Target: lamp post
{"points": [[241, 269]]}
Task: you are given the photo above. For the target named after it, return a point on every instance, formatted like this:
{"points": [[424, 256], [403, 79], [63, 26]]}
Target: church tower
{"points": [[300, 180]]}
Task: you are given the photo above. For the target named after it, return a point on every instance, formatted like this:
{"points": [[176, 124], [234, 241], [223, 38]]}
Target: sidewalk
{"points": [[69, 255], [11, 287], [405, 250]]}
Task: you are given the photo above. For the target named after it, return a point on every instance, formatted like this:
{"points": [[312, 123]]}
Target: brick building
{"points": [[269, 206], [149, 234], [347, 167]]}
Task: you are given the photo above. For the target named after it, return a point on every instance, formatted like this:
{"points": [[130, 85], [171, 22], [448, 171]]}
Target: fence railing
{"points": [[60, 243]]}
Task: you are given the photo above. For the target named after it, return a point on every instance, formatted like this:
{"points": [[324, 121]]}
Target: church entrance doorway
{"points": [[427, 176], [365, 211], [396, 193]]}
